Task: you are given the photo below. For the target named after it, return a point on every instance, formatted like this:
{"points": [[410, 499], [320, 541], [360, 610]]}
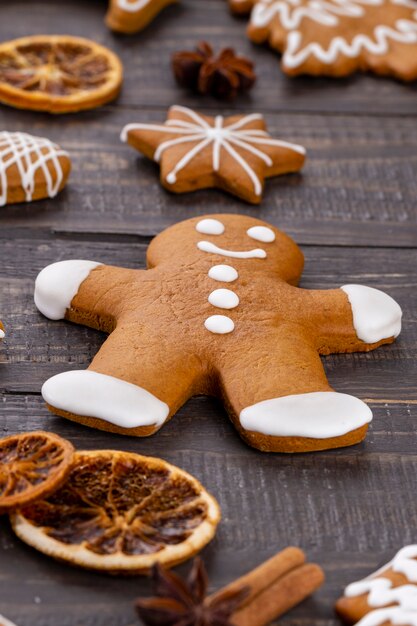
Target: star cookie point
{"points": [[195, 151]]}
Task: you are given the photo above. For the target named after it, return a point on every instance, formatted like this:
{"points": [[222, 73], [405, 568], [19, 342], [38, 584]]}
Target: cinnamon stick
{"points": [[283, 595], [263, 576]]}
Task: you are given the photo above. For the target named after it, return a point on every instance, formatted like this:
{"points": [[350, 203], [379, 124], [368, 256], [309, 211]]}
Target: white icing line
{"points": [[219, 324], [132, 7], [2, 334], [376, 316], [90, 394], [224, 299], [29, 154], [223, 273], [261, 233], [5, 622], [199, 132], [58, 284], [382, 593], [317, 415], [211, 248]]}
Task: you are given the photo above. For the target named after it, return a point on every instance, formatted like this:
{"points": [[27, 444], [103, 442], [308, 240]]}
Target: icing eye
{"points": [[210, 227], [261, 233]]}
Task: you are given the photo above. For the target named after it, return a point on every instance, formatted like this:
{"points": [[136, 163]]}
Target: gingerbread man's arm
{"points": [[85, 292], [353, 318]]}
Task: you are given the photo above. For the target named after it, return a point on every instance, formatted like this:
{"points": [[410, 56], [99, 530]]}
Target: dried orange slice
{"points": [[121, 513], [32, 466], [58, 73]]}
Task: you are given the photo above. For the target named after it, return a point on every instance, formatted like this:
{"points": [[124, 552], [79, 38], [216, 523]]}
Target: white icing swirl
{"points": [[219, 324], [210, 226], [223, 273], [224, 299]]}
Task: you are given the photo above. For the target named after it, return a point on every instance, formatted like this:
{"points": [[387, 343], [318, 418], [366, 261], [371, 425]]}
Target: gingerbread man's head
{"points": [[244, 242]]}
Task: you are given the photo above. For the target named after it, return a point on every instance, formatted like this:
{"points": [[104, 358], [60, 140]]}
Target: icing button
{"points": [[224, 299], [219, 324]]}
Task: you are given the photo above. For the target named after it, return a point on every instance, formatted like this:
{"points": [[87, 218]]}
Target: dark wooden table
{"points": [[353, 210]]}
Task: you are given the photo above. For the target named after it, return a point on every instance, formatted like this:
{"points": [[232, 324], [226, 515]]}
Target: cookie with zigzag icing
{"points": [[338, 37]]}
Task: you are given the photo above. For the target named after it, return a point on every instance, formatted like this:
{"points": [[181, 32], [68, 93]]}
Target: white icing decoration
{"points": [[223, 273], [210, 227], [29, 154], [2, 334], [376, 316], [116, 401], [219, 324], [132, 7], [211, 248], [382, 593], [224, 299], [261, 233], [58, 284], [319, 415], [199, 132], [291, 13]]}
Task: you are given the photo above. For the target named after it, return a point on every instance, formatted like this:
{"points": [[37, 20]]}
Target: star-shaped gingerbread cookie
{"points": [[339, 37], [235, 154], [132, 16]]}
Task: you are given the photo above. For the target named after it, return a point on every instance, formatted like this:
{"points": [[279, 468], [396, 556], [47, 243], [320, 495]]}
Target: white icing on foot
{"points": [[210, 227], [207, 246], [219, 324], [224, 299], [223, 273], [382, 593], [116, 401], [376, 316], [261, 233], [319, 415], [58, 284]]}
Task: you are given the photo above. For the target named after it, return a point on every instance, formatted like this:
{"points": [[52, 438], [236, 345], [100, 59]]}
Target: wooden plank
{"points": [[58, 346], [149, 81], [358, 186]]}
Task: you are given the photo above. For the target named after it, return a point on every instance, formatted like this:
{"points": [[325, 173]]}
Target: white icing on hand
{"points": [[90, 394], [207, 246], [132, 7], [318, 415], [2, 334], [231, 138], [382, 593], [261, 233], [30, 155], [376, 316], [219, 324], [223, 273], [58, 284], [224, 299], [210, 227]]}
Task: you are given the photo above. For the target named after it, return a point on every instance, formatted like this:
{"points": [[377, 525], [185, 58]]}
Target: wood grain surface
{"points": [[353, 210]]}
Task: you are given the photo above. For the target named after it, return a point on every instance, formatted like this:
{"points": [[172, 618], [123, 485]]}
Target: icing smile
{"points": [[207, 246]]}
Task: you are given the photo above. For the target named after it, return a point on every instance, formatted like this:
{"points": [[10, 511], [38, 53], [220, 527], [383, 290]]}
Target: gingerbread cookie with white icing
{"points": [[195, 151], [339, 37], [31, 168], [217, 313], [132, 16], [386, 598]]}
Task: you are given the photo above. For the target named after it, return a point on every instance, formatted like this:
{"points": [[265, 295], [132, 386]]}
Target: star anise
{"points": [[180, 602], [222, 75]]}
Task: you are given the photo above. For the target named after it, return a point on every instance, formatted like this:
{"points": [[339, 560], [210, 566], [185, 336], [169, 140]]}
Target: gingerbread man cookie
{"points": [[131, 16], [338, 37], [216, 313], [387, 598], [235, 154], [31, 168]]}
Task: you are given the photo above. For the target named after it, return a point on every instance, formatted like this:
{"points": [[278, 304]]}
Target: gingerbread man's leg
{"points": [[280, 400], [127, 389]]}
